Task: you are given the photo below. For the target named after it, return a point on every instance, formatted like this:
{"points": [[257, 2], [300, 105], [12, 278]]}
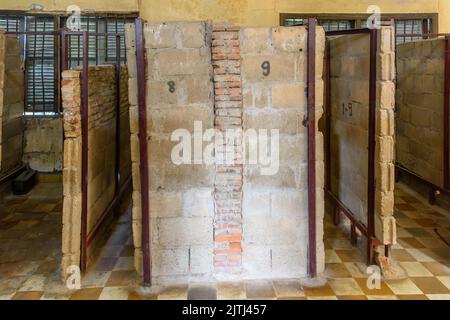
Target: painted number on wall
{"points": [[171, 85], [266, 68], [347, 109]]}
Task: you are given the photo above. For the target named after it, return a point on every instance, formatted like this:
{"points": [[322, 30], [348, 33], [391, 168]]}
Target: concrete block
{"points": [[193, 34], [282, 67], [289, 203], [256, 259], [256, 96], [161, 35], [289, 261], [274, 231], [256, 203], [291, 95], [172, 62], [255, 40], [165, 204], [183, 228], [290, 39], [173, 261], [201, 259]]}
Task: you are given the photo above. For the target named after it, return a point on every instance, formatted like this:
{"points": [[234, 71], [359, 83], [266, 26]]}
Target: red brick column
{"points": [[226, 61]]}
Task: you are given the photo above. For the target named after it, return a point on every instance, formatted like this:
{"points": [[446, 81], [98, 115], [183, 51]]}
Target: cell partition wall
{"points": [[360, 133], [11, 106], [97, 166], [228, 213], [423, 89]]}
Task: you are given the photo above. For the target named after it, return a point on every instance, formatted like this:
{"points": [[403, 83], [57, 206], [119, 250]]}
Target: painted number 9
{"points": [[171, 85], [266, 68]]}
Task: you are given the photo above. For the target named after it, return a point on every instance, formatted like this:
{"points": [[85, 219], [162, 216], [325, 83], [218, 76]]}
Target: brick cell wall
{"points": [[275, 207], [349, 127], [125, 153], [420, 103], [181, 196], [11, 104], [226, 61], [101, 161], [43, 143]]}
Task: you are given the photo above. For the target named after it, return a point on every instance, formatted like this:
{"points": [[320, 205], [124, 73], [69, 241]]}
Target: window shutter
{"points": [[40, 67], [408, 27]]}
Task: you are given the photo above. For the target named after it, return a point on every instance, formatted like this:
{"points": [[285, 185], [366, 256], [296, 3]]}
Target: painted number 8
{"points": [[171, 85], [266, 68]]}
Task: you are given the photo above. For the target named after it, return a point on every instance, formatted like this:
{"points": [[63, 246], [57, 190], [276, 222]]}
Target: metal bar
{"points": [[372, 142], [346, 211], [96, 41], [64, 62], [432, 186], [118, 101], [57, 107], [34, 68], [328, 116], [425, 28], [143, 166], [7, 176], [84, 150], [446, 160], [42, 70], [25, 63], [311, 114]]}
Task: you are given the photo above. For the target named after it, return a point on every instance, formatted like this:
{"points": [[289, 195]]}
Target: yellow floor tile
{"points": [[430, 285], [319, 291], [384, 290], [288, 288], [416, 269], [230, 291], [392, 297], [403, 287], [445, 280], [438, 296], [331, 257], [114, 293], [336, 270], [345, 287], [174, 293]]}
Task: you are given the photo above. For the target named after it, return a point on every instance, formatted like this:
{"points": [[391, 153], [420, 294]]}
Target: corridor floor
{"points": [[30, 244]]}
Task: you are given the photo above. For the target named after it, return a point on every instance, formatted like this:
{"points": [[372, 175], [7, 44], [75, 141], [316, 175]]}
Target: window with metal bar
{"points": [[409, 27], [41, 54], [102, 48], [40, 67], [328, 25], [334, 25]]}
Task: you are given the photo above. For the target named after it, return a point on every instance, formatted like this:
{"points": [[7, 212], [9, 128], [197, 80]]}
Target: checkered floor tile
{"points": [[30, 241]]}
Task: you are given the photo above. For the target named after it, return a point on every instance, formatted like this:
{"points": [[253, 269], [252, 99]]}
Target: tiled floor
{"points": [[30, 243]]}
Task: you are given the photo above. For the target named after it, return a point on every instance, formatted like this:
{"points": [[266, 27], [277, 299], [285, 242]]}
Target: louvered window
{"points": [[334, 25], [293, 22], [41, 57], [41, 97], [328, 25], [102, 48], [409, 27]]}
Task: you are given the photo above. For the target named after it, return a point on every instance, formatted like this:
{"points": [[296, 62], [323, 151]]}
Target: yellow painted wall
{"points": [[244, 12], [266, 12], [61, 5]]}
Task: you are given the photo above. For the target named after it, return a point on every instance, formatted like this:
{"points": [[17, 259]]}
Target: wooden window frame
{"points": [[356, 18], [58, 17]]}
